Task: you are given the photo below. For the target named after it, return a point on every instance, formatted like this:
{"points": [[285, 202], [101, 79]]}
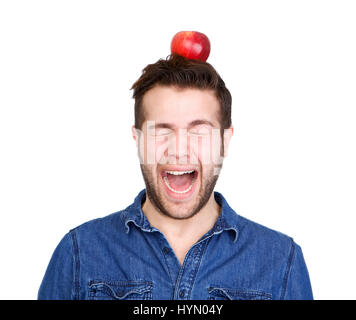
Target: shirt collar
{"points": [[227, 220]]}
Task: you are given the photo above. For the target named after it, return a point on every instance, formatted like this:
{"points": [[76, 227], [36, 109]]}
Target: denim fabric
{"points": [[121, 256]]}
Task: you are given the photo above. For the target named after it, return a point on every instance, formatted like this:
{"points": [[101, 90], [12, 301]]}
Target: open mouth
{"points": [[179, 182]]}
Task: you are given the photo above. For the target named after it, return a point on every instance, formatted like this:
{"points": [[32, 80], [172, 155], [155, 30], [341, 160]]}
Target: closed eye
{"points": [[162, 132], [200, 130]]}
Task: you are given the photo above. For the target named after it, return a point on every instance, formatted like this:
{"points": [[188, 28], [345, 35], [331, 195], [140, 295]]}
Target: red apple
{"points": [[191, 44]]}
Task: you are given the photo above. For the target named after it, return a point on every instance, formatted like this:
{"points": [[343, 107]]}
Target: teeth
{"points": [[176, 191], [178, 173]]}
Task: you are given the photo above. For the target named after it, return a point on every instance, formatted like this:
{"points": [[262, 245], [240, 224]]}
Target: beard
{"points": [[181, 211]]}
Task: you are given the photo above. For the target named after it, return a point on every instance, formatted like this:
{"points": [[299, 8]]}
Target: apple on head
{"points": [[191, 44]]}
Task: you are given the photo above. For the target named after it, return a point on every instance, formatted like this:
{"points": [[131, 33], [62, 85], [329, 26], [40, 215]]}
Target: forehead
{"points": [[180, 106]]}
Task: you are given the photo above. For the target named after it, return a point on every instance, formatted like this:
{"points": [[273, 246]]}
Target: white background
{"points": [[67, 155]]}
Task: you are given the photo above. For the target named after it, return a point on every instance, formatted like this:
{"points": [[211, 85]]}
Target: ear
{"points": [[227, 137], [134, 135]]}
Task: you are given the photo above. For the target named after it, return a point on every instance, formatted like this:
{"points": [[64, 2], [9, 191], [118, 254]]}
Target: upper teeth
{"points": [[178, 173]]}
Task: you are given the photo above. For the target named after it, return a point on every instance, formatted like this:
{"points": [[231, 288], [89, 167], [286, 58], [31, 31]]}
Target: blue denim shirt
{"points": [[121, 256]]}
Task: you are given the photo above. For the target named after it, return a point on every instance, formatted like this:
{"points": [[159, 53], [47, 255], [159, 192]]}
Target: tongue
{"points": [[181, 182]]}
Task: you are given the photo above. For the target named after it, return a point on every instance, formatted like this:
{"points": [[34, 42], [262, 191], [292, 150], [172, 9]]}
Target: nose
{"points": [[178, 147]]}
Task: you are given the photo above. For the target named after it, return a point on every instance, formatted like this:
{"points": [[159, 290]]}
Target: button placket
{"points": [[188, 271]]}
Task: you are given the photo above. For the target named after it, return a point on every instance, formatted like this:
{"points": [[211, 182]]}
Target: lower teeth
{"points": [[176, 191]]}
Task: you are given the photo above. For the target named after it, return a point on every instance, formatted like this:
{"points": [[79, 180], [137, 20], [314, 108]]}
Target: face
{"points": [[179, 147]]}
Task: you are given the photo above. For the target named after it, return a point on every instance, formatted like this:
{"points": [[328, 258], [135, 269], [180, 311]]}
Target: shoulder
{"points": [[278, 253], [111, 223], [264, 238]]}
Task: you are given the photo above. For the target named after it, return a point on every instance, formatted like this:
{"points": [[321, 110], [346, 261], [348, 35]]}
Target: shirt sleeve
{"points": [[297, 284], [58, 281]]}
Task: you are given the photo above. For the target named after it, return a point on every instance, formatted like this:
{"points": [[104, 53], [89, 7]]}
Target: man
{"points": [[179, 239]]}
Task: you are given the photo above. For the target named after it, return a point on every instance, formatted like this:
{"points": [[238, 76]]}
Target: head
{"points": [[182, 130]]}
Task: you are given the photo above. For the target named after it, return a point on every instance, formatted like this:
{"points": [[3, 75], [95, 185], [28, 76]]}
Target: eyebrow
{"points": [[190, 125]]}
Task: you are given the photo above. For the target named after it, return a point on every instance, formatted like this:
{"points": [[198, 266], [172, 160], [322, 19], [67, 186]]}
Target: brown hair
{"points": [[181, 72]]}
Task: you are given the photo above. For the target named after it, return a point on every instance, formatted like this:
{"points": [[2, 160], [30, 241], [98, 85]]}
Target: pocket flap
{"points": [[219, 293], [121, 289]]}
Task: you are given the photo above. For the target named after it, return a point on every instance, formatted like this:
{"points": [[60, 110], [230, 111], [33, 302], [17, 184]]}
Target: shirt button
{"points": [[181, 293], [166, 250]]}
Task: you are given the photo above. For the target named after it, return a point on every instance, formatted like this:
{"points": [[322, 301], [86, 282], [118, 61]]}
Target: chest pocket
{"points": [[120, 290], [218, 293]]}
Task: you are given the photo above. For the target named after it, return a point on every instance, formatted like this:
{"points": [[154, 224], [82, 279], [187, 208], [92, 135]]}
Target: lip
{"points": [[179, 196]]}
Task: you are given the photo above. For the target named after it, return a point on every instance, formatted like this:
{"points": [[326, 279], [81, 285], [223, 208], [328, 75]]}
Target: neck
{"points": [[192, 228]]}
